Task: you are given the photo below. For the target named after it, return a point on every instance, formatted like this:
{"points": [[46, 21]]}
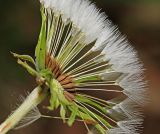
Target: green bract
{"points": [[41, 46]]}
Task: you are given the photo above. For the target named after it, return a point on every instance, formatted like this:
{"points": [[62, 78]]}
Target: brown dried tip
{"points": [[90, 122], [70, 97]]}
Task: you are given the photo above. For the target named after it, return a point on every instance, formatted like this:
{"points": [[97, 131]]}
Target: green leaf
{"points": [[40, 52], [73, 115], [24, 57]]}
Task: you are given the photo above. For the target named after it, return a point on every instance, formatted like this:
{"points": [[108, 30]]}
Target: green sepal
{"points": [[100, 129], [90, 102], [47, 74], [105, 104], [63, 113], [84, 116], [73, 115], [24, 57], [40, 52], [90, 78], [54, 102], [96, 117], [28, 68], [57, 95]]}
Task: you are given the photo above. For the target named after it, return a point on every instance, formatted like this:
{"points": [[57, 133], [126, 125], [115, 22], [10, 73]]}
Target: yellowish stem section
{"points": [[35, 98]]}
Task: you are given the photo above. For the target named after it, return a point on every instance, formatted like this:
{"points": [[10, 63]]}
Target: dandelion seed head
{"points": [[86, 53]]}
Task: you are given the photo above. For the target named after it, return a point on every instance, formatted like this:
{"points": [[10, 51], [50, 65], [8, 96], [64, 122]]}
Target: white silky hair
{"points": [[82, 13], [134, 87], [106, 36], [122, 55], [130, 108], [32, 116], [127, 127], [118, 52]]}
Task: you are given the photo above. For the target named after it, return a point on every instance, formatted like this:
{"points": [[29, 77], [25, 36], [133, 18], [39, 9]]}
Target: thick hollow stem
{"points": [[35, 98]]}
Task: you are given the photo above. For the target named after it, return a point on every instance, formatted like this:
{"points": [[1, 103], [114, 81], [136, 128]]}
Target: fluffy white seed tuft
{"points": [[82, 13], [127, 127], [130, 108], [135, 88], [31, 117], [121, 55]]}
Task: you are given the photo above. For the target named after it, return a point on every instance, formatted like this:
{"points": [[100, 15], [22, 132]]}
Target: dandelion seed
{"points": [[80, 51]]}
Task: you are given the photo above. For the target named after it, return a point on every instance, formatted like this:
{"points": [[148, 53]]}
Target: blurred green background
{"points": [[20, 23]]}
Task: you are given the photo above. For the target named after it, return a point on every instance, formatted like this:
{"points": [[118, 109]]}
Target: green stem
{"points": [[35, 98]]}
